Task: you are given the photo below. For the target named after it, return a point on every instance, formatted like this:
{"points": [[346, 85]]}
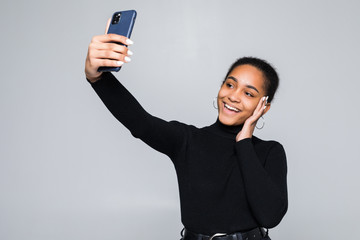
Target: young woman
{"points": [[232, 185]]}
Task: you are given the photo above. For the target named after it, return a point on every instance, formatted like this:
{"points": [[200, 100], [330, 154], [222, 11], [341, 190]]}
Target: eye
{"points": [[229, 85], [249, 94]]}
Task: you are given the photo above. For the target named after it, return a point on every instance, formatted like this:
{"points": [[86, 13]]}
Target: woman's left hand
{"points": [[250, 123]]}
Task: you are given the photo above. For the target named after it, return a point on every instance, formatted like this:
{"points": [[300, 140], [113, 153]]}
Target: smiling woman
{"points": [[239, 95], [246, 93], [232, 185]]}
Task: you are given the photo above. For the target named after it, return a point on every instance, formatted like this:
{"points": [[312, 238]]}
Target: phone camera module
{"points": [[116, 18]]}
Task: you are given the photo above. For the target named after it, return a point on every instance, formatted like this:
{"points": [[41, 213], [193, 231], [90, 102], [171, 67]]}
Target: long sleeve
{"points": [[221, 189], [265, 181], [163, 136]]}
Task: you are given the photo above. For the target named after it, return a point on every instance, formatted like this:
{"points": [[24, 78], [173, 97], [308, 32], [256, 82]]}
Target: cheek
{"points": [[250, 105], [220, 92], [219, 98]]}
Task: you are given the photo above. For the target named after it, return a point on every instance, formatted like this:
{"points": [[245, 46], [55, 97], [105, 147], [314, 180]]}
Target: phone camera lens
{"points": [[116, 18]]}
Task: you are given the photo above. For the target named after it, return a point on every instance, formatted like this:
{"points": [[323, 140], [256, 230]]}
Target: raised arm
{"points": [[163, 136], [166, 137]]}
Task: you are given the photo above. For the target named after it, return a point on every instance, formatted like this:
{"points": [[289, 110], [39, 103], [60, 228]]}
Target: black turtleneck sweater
{"points": [[225, 186]]}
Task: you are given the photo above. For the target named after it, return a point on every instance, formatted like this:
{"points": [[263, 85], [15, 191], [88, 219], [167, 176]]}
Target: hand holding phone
{"points": [[108, 52], [122, 23]]}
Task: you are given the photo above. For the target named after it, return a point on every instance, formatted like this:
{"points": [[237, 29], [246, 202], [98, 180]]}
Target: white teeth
{"points": [[232, 108]]}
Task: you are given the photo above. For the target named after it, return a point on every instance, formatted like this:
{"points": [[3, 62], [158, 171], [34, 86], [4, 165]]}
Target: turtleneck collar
{"points": [[225, 130]]}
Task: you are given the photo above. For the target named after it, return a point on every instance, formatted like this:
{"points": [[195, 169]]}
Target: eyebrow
{"points": [[248, 86]]}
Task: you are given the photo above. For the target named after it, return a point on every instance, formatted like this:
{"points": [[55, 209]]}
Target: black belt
{"points": [[254, 234]]}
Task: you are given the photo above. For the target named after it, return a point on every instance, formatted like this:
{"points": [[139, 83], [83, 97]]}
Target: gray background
{"points": [[69, 170]]}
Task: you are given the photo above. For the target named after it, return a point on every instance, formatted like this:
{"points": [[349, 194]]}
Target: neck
{"points": [[226, 130]]}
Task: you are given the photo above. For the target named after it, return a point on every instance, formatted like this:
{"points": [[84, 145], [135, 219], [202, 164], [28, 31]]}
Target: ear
{"points": [[267, 108]]}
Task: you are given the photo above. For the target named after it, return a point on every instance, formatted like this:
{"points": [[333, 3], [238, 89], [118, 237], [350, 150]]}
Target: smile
{"points": [[231, 108]]}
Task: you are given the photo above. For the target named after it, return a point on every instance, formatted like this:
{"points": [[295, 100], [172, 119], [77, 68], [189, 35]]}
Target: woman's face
{"points": [[240, 94]]}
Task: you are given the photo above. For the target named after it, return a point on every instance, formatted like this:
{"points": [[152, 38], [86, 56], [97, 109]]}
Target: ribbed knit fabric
{"points": [[225, 186]]}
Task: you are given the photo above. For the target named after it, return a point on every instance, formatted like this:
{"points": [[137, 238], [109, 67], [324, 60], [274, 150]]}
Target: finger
{"points": [[260, 105], [119, 48], [94, 47], [112, 47], [105, 54], [266, 99], [266, 103], [259, 110], [107, 63], [113, 38], [107, 25]]}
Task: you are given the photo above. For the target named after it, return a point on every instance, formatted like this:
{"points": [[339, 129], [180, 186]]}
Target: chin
{"points": [[229, 121]]}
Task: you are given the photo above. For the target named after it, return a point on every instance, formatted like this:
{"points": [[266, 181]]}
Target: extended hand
{"points": [[250, 123], [104, 51]]}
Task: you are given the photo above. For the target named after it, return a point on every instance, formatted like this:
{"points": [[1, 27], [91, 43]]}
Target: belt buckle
{"points": [[217, 235]]}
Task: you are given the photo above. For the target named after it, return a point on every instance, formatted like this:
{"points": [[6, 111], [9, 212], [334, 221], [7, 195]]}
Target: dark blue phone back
{"points": [[124, 27]]}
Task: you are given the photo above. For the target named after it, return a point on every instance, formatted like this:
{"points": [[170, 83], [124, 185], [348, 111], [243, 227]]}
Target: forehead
{"points": [[249, 75]]}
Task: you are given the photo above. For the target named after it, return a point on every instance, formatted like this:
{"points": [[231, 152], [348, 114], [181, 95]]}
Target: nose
{"points": [[234, 97]]}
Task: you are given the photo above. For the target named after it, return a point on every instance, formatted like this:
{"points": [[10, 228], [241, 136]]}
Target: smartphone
{"points": [[122, 23]]}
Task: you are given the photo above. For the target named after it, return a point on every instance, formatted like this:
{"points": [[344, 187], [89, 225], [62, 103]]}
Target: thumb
{"points": [[107, 25]]}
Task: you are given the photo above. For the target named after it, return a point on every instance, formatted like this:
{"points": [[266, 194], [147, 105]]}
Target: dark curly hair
{"points": [[270, 75]]}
